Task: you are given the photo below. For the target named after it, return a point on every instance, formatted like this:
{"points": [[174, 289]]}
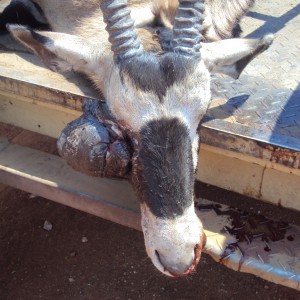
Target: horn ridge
{"points": [[188, 27], [123, 37]]}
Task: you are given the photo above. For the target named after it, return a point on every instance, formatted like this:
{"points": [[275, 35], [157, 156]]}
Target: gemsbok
{"points": [[152, 63]]}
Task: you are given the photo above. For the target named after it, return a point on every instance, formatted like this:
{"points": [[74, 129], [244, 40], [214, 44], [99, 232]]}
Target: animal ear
{"points": [[231, 56], [59, 51]]}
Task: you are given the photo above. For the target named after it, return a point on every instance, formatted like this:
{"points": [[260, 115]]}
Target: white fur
{"points": [[187, 100], [174, 239], [142, 14]]}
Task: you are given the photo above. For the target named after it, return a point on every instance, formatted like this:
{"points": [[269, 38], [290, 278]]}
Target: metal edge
{"points": [[266, 150]]}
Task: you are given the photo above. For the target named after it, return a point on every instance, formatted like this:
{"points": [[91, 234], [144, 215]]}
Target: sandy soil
{"points": [[84, 257]]}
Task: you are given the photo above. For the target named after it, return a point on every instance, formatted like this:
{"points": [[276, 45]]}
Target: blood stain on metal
{"points": [[246, 227]]}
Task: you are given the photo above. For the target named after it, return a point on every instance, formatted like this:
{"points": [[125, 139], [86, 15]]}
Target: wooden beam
{"points": [[38, 116], [250, 176], [50, 177]]}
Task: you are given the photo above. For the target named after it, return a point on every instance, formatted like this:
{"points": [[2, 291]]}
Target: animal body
{"points": [[155, 78]]}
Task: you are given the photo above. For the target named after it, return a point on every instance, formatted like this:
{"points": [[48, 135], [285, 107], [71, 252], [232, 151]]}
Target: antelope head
{"points": [[162, 99], [159, 100]]}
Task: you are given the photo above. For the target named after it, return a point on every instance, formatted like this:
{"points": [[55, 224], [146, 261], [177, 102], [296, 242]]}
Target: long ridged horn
{"points": [[187, 28], [123, 37]]}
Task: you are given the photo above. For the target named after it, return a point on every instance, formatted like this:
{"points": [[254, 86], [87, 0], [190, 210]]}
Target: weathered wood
{"points": [[2, 187], [36, 141], [50, 177], [250, 176], [37, 116], [9, 131]]}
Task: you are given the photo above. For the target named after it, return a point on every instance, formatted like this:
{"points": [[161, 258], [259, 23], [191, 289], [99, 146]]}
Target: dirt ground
{"points": [[85, 257]]}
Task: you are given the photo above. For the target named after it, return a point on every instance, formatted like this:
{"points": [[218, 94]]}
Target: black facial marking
{"points": [[156, 74], [242, 63], [39, 38], [237, 31], [18, 13], [165, 174]]}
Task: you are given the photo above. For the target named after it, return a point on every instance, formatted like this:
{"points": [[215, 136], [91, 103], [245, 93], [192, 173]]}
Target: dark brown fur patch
{"points": [[164, 170], [18, 13], [261, 46], [151, 73]]}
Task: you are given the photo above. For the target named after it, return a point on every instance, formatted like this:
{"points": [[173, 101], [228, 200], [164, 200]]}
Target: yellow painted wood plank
{"points": [[251, 159], [230, 173], [53, 171], [44, 118], [250, 176], [282, 188], [50, 177]]}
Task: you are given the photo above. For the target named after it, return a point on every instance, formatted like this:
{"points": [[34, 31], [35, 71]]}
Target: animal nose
{"points": [[180, 267]]}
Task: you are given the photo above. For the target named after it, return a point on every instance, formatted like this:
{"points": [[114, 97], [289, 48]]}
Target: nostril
{"points": [[179, 269], [169, 270], [158, 257]]}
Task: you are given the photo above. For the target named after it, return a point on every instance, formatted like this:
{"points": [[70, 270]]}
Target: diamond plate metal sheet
{"points": [[251, 243], [263, 106]]}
